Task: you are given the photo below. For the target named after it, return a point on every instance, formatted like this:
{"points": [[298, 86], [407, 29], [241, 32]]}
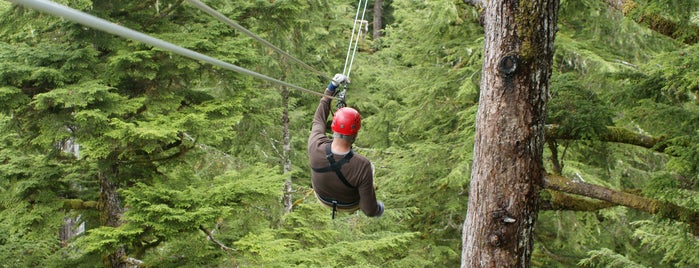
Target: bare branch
{"points": [[166, 12], [132, 261], [475, 3], [617, 4], [627, 64], [211, 238], [613, 134], [273, 142], [79, 204], [562, 201]]}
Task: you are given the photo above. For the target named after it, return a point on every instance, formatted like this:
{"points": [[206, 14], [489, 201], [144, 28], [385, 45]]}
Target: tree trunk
{"points": [[286, 153], [110, 213], [378, 23], [508, 169], [287, 192], [72, 227]]}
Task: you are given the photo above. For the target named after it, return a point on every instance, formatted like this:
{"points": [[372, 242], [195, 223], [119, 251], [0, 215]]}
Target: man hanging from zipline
{"points": [[342, 179]]}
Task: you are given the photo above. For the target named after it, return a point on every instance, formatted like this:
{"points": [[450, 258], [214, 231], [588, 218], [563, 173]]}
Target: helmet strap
{"points": [[349, 138]]}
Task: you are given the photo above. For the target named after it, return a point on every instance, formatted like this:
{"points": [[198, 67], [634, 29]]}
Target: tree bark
{"points": [[286, 153], [563, 201], [210, 237], [72, 227], [475, 3], [110, 208], [79, 204], [508, 172], [378, 23], [288, 190]]}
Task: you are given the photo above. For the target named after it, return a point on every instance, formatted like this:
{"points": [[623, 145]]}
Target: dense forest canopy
{"points": [[114, 152]]}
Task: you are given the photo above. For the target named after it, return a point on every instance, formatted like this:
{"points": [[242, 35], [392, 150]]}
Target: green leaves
{"points": [[678, 74], [12, 98], [167, 212], [79, 96], [607, 258], [106, 239], [134, 65], [578, 111], [190, 145], [669, 239]]}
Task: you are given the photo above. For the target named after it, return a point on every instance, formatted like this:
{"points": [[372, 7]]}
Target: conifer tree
{"points": [[199, 181], [133, 110], [508, 155]]}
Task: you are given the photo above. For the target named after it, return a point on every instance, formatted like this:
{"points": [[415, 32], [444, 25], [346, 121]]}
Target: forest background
{"points": [[117, 153]]}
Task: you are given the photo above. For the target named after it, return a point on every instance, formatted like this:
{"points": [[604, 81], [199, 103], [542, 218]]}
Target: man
{"points": [[341, 178]]}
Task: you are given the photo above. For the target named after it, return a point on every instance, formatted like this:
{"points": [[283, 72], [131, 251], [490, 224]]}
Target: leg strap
{"points": [[334, 209]]}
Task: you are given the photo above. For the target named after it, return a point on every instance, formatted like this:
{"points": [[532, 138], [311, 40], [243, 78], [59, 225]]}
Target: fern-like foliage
{"points": [[671, 240], [607, 258]]}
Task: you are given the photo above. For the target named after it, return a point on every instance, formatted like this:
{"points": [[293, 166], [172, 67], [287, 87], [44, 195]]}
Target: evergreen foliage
{"points": [[194, 151]]}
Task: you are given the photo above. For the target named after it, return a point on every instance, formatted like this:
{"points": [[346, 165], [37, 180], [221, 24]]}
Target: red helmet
{"points": [[346, 121]]}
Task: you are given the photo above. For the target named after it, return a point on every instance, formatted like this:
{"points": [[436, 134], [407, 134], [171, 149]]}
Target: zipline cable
{"points": [[346, 71], [354, 29], [231, 23], [106, 26]]}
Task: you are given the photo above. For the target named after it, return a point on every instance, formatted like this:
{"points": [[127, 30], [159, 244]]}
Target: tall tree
{"points": [[134, 110], [378, 23], [622, 122], [508, 169]]}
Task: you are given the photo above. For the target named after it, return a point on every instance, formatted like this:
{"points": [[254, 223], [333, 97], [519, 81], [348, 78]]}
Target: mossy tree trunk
{"points": [[286, 153], [111, 211], [507, 172], [288, 190], [378, 13]]}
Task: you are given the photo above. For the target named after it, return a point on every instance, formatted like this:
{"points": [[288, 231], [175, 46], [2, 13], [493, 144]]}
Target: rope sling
{"points": [[352, 50]]}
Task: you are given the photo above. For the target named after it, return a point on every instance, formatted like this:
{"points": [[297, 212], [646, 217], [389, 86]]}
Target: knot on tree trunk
{"points": [[508, 64]]}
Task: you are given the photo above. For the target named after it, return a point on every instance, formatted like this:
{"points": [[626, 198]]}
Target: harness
{"points": [[335, 166]]}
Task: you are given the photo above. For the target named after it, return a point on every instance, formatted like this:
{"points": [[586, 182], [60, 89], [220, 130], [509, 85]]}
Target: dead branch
{"points": [[133, 262], [613, 134], [211, 238]]}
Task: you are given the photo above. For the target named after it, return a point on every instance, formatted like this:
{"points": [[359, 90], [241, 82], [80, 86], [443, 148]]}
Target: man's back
{"points": [[357, 171]]}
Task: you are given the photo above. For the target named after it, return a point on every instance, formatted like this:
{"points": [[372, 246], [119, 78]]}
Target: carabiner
{"points": [[341, 98]]}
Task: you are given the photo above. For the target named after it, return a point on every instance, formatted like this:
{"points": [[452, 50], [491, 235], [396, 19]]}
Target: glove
{"points": [[381, 208], [337, 80], [340, 78]]}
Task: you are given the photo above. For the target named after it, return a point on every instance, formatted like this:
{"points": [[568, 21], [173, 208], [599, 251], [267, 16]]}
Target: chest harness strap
{"points": [[335, 166]]}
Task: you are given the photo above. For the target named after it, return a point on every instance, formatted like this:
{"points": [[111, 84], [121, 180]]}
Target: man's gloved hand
{"points": [[337, 80], [340, 78], [381, 208]]}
